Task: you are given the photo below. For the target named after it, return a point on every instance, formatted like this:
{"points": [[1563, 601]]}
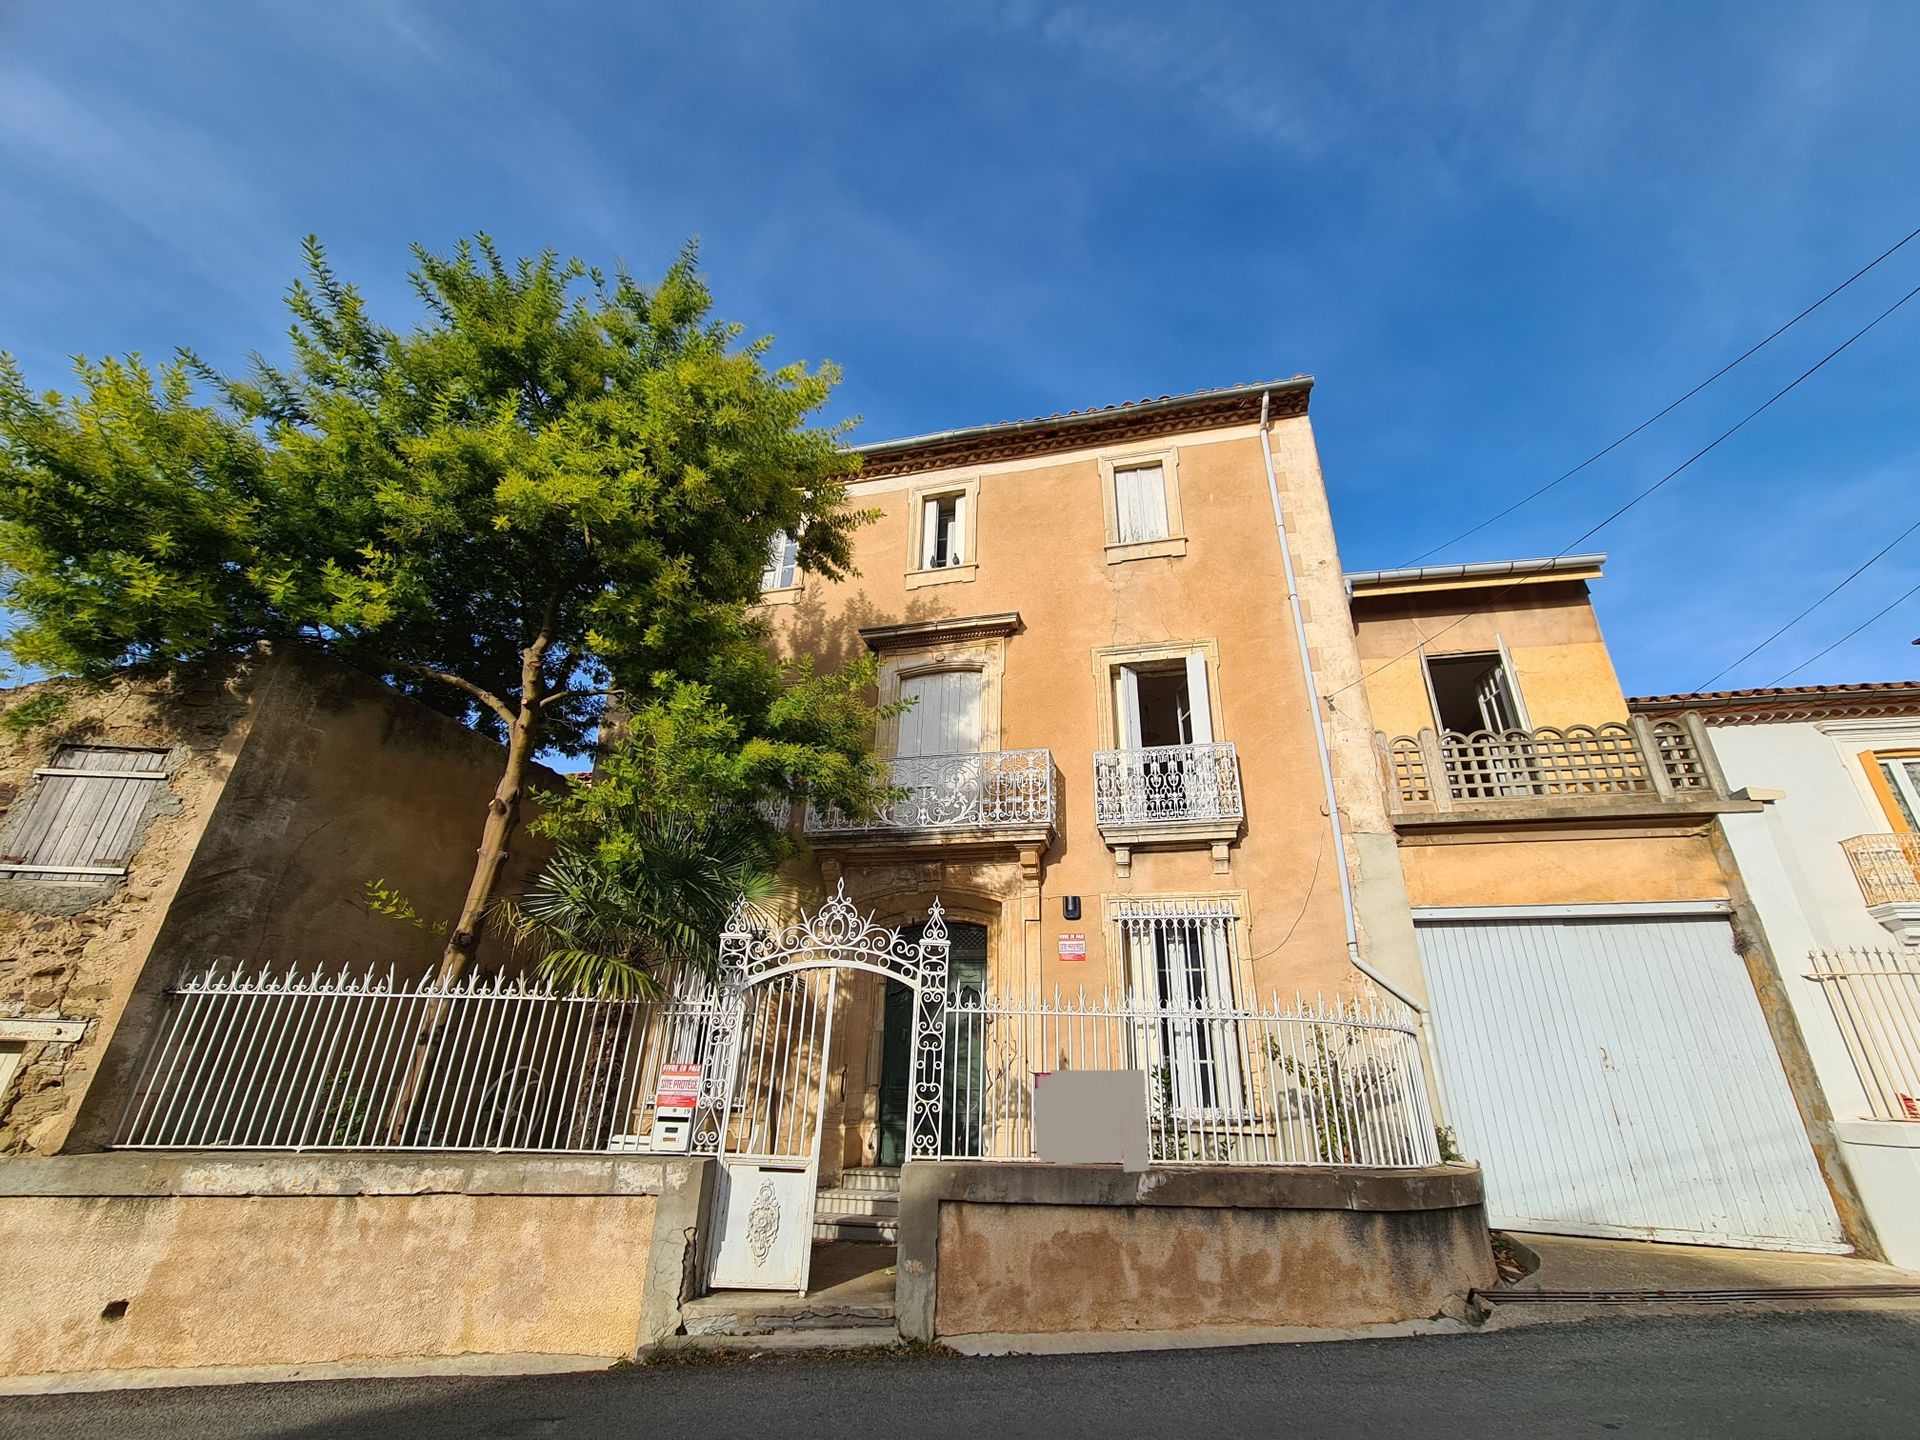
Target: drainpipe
{"points": [[1320, 732]]}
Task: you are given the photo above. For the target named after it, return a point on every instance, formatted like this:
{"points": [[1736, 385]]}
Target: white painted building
{"points": [[1832, 866]]}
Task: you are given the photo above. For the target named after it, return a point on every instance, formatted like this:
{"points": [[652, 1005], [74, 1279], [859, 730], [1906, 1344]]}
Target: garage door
{"points": [[1616, 1077]]}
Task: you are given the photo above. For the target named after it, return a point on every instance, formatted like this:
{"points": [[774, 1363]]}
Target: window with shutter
{"points": [[78, 821], [1140, 503]]}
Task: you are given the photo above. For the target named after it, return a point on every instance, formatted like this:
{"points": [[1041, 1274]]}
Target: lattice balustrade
{"points": [[1660, 759], [1680, 756], [1887, 867]]}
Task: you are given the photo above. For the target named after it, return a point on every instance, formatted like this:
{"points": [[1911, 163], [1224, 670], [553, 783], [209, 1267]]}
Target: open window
{"points": [[941, 536], [1472, 693], [1162, 701], [783, 563]]}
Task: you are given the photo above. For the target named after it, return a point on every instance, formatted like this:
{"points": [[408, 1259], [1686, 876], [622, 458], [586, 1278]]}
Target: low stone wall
{"points": [[1028, 1249], [132, 1262]]}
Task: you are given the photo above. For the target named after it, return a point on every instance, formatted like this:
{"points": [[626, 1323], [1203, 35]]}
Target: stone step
{"points": [[871, 1177], [859, 1229], [857, 1202]]}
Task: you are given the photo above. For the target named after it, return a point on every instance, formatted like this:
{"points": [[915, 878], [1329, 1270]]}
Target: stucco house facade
{"points": [[1831, 860]]}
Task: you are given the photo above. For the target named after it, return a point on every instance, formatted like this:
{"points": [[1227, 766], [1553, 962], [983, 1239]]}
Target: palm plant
{"points": [[616, 917]]}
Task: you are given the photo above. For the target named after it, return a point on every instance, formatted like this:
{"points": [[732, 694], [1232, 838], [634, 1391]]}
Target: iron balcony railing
{"points": [[979, 790], [1887, 867], [1651, 759], [1167, 784], [1875, 998]]}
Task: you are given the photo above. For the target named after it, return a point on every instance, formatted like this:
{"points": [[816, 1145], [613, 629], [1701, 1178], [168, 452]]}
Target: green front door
{"points": [[966, 970]]}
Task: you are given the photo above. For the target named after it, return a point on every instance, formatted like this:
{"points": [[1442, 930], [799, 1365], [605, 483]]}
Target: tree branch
{"points": [[485, 697], [560, 695]]}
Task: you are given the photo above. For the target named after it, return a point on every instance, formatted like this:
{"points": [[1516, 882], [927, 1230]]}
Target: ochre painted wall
{"points": [[1561, 665], [286, 1279], [1552, 871], [1041, 552]]}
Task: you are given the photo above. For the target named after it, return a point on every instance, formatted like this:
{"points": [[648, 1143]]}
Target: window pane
{"points": [[1903, 779], [1140, 503], [782, 555]]}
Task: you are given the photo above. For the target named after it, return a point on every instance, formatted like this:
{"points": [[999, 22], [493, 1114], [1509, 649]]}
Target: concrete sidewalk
{"points": [[1568, 1263]]}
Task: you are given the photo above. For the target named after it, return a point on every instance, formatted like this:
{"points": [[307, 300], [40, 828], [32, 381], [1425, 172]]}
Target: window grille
{"points": [[1180, 963], [79, 820]]}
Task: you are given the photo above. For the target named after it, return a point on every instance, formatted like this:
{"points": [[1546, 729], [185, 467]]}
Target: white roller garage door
{"points": [[1615, 1076]]}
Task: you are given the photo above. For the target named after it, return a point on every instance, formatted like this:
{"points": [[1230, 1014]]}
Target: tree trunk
{"points": [[503, 818]]}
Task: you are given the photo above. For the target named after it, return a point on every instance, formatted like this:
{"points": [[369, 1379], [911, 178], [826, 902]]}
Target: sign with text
{"points": [[1073, 945], [679, 1089]]}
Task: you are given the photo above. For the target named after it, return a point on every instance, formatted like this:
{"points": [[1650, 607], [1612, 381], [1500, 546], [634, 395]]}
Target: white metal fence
{"points": [[1875, 997], [1321, 1084], [361, 1062]]}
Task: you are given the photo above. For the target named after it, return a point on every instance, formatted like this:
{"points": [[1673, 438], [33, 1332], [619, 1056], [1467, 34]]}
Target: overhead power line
{"points": [[1697, 455], [1883, 610], [1870, 562], [1661, 415]]}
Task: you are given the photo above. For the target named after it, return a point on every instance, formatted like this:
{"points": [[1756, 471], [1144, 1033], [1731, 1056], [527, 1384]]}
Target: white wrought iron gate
{"points": [[761, 1110], [1615, 1076], [769, 1151]]}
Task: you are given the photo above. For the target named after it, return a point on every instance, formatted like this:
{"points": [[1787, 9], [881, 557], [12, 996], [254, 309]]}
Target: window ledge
{"points": [[945, 575], [787, 596], [1146, 549]]}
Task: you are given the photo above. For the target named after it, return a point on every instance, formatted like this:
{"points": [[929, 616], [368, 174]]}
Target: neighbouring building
{"points": [[1613, 1039], [1832, 862]]}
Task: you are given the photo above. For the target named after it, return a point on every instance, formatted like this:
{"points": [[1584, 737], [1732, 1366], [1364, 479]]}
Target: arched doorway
{"points": [[966, 979]]}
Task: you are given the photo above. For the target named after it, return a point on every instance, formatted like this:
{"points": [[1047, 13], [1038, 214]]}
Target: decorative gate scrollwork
{"points": [[834, 937]]}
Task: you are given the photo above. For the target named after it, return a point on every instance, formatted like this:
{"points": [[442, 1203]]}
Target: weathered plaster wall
{"points": [[295, 782], [1562, 668], [991, 1248], [1041, 552], [75, 950], [127, 1262], [342, 781], [1552, 870]]}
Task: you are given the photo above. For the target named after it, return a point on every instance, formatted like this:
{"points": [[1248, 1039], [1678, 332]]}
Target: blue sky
{"points": [[1499, 235]]}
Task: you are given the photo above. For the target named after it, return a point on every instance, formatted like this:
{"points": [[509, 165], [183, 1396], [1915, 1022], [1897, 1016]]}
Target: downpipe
{"points": [[1332, 801]]}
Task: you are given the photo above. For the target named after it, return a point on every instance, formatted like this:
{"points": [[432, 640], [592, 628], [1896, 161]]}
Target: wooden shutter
{"points": [[80, 818], [1140, 503]]}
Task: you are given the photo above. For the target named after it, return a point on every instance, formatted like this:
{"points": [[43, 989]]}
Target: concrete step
{"points": [[857, 1229], [857, 1202], [871, 1177]]}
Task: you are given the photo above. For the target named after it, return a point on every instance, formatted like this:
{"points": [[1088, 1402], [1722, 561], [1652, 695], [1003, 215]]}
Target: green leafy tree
{"points": [[558, 485]]}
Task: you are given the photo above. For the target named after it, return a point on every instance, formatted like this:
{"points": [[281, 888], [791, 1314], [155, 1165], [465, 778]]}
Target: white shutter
{"points": [[929, 533], [1126, 707], [1140, 503], [946, 718], [957, 537], [1198, 701]]}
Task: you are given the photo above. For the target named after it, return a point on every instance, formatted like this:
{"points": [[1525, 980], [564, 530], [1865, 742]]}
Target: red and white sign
{"points": [[679, 1089], [1073, 945]]}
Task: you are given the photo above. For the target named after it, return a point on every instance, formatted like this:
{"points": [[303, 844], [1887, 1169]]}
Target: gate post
{"points": [[729, 1002], [927, 1100]]}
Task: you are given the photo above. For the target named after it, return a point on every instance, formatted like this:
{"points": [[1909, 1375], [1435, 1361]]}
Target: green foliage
{"points": [[612, 917], [553, 455], [1334, 1084], [382, 900], [1448, 1145], [33, 712]]}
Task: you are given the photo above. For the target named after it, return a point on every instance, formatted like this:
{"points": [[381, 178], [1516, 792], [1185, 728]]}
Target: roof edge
{"points": [[1010, 439], [1479, 570], [1865, 700]]}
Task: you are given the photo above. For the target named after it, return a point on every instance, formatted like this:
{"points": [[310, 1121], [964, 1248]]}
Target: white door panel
{"points": [[1617, 1077]]}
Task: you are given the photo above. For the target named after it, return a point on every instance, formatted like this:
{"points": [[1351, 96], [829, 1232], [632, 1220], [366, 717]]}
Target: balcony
{"points": [[995, 795], [1162, 796], [1640, 767], [1888, 869]]}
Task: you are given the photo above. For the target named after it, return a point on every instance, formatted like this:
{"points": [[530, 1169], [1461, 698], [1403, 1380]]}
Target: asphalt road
{"points": [[1806, 1376]]}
